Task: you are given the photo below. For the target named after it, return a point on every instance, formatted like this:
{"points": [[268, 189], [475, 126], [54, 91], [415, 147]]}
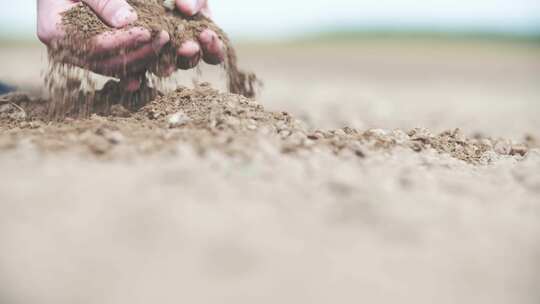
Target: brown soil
{"points": [[213, 121], [81, 24]]}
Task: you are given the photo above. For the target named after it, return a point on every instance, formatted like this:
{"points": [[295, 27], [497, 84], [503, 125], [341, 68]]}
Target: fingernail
{"points": [[124, 16], [191, 6], [189, 48]]}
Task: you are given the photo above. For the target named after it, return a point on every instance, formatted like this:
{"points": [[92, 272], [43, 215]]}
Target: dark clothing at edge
{"points": [[5, 88]]}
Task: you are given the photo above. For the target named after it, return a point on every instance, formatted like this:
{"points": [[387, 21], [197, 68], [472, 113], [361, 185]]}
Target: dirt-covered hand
{"points": [[116, 13], [208, 46]]}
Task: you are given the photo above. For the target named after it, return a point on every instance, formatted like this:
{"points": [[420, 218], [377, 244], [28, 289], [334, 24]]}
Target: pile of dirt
{"points": [[82, 24], [208, 120]]}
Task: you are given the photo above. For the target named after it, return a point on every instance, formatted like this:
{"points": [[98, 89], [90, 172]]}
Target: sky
{"points": [[280, 18]]}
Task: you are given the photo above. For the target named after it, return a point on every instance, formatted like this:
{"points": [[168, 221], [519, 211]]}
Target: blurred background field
{"points": [[277, 19]]}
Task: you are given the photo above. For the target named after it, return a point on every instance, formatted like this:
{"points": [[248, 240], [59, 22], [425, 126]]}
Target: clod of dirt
{"points": [[117, 110], [520, 150], [20, 106], [12, 111], [81, 25]]}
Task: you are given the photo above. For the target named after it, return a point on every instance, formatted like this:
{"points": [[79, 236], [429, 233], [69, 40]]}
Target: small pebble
{"points": [[178, 119], [519, 150]]}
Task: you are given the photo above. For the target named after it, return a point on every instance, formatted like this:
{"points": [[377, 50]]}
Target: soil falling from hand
{"points": [[81, 25]]}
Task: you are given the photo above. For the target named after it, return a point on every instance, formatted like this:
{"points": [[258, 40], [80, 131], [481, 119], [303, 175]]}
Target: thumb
{"points": [[190, 7], [116, 13]]}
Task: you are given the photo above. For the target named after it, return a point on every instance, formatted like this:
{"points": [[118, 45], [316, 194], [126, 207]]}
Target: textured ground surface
{"points": [[233, 204]]}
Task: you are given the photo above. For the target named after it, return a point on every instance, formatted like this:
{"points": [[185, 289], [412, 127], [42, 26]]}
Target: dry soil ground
{"points": [[100, 211]]}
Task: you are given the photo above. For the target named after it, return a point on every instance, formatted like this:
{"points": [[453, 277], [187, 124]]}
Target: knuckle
{"points": [[103, 4]]}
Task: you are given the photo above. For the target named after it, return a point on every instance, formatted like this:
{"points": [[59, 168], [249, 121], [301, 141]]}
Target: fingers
{"points": [[212, 47], [189, 55], [189, 49], [121, 39], [193, 7], [49, 19], [205, 11], [209, 47], [133, 61], [190, 7], [116, 13]]}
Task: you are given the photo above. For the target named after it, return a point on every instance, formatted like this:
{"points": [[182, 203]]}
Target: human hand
{"points": [[208, 45], [117, 14]]}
